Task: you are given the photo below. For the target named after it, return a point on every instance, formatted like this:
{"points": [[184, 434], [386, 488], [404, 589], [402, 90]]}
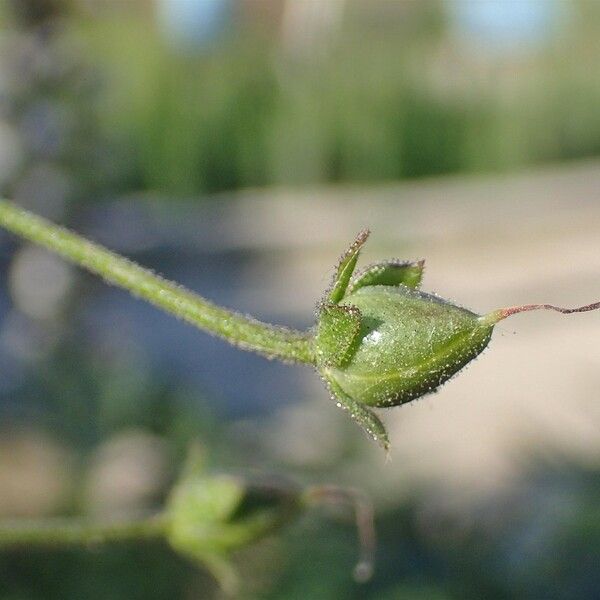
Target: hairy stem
{"points": [[72, 532], [274, 342]]}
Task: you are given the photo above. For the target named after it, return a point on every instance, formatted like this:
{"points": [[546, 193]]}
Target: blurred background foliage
{"points": [[123, 119], [194, 97]]}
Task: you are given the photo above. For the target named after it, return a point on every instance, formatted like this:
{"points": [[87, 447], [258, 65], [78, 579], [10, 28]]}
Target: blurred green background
{"points": [[237, 147]]}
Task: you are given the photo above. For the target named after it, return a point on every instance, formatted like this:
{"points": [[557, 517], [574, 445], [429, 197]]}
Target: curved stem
{"points": [[72, 532], [275, 342], [365, 521], [503, 313]]}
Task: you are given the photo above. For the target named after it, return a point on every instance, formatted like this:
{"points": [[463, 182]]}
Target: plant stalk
{"points": [[276, 342], [73, 532]]}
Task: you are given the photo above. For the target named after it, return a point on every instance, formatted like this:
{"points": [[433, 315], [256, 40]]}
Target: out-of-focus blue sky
{"points": [[504, 24], [501, 24], [194, 24]]}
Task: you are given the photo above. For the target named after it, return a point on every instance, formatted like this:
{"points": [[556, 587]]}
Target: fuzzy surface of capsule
{"points": [[409, 344]]}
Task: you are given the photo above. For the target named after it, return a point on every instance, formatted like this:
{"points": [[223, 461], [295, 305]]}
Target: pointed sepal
{"points": [[337, 329], [345, 268], [223, 570], [391, 272], [367, 420]]}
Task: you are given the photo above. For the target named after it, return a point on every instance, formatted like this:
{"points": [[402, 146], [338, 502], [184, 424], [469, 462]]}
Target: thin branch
{"points": [[76, 532], [364, 517]]}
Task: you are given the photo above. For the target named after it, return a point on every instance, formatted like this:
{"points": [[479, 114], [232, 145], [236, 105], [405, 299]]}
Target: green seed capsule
{"points": [[408, 344], [380, 342], [209, 516]]}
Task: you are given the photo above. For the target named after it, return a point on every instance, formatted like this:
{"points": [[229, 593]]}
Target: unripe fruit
{"points": [[380, 342], [209, 516], [408, 344]]}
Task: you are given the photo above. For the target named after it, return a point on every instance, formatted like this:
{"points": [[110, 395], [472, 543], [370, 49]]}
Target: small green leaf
{"points": [[337, 330], [346, 267], [364, 417], [390, 272]]}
